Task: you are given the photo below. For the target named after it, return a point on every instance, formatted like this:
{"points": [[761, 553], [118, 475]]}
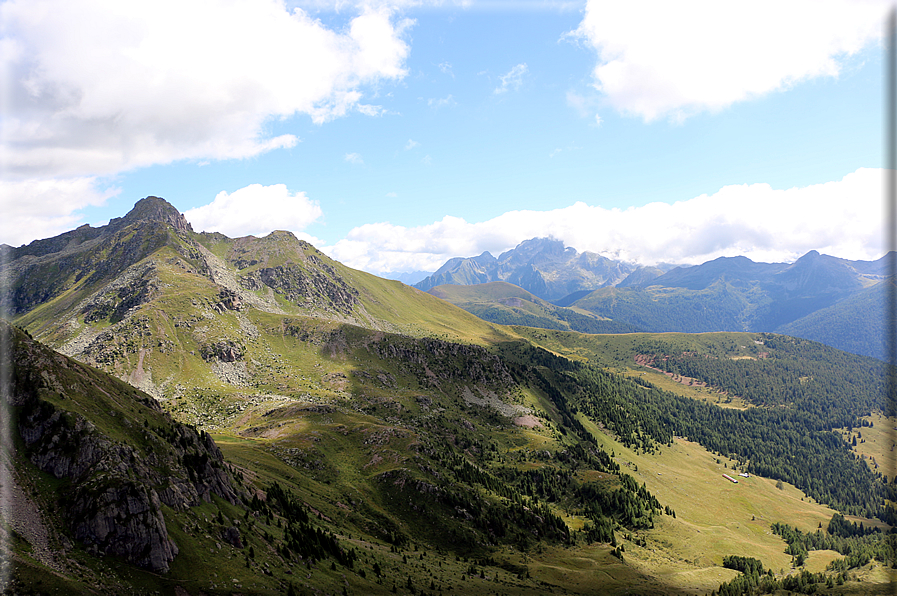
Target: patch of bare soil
{"points": [[529, 421]]}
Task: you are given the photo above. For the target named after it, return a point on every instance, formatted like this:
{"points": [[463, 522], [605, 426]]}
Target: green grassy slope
{"points": [[406, 448], [507, 304], [432, 450]]}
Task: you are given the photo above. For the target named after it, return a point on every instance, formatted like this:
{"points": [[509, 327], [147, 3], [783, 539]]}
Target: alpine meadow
{"points": [[448, 297]]}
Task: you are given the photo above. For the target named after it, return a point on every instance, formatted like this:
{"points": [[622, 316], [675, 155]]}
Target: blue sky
{"points": [[396, 134]]}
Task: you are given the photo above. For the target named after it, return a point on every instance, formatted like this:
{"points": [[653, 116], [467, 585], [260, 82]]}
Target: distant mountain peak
{"points": [[810, 256], [545, 247], [154, 209], [542, 266]]}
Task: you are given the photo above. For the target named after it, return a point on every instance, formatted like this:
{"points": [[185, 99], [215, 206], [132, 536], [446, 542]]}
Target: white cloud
{"points": [[44, 208], [354, 158], [669, 59], [370, 110], [446, 102], [256, 210], [840, 218], [512, 80], [95, 87], [411, 144]]}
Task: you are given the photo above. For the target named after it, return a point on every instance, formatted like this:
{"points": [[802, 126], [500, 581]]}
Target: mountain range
{"points": [[196, 414], [836, 301], [542, 266]]}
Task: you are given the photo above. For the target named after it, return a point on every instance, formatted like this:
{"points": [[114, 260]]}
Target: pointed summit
{"points": [[154, 209]]}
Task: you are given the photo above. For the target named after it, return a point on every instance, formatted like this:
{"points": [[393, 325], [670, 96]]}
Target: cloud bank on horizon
{"points": [[841, 218], [212, 83]]}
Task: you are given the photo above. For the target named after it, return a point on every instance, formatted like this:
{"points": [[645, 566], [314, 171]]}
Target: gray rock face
{"points": [[125, 521], [231, 535]]}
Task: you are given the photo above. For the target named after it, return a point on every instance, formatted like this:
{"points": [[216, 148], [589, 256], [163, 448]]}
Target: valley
{"points": [[309, 428]]}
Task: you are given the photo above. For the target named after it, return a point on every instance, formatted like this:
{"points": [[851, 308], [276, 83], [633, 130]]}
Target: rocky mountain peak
{"points": [[541, 266], [811, 257], [154, 209], [545, 249]]}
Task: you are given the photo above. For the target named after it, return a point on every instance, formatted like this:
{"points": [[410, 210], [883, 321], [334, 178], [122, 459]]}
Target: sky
{"points": [[396, 134]]}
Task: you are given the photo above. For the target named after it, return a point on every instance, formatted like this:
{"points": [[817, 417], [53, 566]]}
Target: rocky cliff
{"points": [[118, 455]]}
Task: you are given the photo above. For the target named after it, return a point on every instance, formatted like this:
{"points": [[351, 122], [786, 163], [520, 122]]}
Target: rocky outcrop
{"points": [[114, 487], [153, 209], [229, 300], [319, 287], [225, 351], [137, 285]]}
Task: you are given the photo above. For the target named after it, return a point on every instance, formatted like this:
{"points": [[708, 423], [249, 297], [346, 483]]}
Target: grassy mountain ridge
{"points": [[507, 304], [380, 439], [718, 307], [149, 302], [415, 431]]}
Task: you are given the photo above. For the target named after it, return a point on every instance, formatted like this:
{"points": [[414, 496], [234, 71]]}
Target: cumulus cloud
{"points": [[95, 87], [840, 218], [513, 79], [354, 158], [669, 59], [256, 210], [411, 144], [25, 215]]}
